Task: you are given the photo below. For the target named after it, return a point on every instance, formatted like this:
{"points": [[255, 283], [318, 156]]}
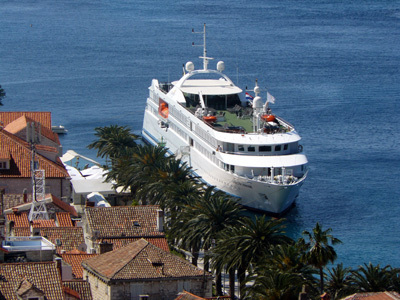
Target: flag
{"points": [[270, 98], [249, 98]]}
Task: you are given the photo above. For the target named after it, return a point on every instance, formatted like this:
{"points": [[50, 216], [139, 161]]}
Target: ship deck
{"points": [[235, 120]]}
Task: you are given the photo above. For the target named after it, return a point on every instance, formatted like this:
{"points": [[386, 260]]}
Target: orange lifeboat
{"points": [[210, 119], [163, 110], [268, 118]]}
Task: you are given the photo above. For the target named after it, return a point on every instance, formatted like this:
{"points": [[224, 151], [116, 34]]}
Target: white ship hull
{"points": [[253, 194], [231, 139]]}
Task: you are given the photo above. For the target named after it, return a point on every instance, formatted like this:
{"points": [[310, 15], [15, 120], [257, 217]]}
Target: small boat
{"points": [[59, 129], [210, 119], [268, 118]]}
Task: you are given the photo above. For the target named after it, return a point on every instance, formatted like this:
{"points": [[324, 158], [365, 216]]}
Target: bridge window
{"points": [[265, 148]]}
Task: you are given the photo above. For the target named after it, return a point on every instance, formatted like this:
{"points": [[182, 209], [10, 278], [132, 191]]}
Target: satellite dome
{"points": [[257, 102], [189, 66], [257, 89], [220, 66]]}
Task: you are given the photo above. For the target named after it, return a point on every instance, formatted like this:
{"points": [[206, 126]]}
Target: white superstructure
{"points": [[242, 149]]}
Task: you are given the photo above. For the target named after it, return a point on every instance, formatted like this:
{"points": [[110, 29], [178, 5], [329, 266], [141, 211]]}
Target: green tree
{"points": [[271, 284], [242, 247], [2, 95], [137, 167], [320, 250], [370, 278], [339, 284], [113, 141], [206, 219]]}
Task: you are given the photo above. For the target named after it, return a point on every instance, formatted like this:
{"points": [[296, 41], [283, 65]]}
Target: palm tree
{"points": [[320, 252], [370, 278], [339, 284], [244, 246], [206, 219], [113, 141], [137, 167], [272, 284]]}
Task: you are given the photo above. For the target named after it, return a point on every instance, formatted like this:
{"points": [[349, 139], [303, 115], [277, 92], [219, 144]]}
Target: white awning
{"points": [[263, 161], [209, 87], [85, 186]]}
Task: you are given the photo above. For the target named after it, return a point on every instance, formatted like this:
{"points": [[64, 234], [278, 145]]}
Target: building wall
{"points": [[156, 289], [59, 187]]}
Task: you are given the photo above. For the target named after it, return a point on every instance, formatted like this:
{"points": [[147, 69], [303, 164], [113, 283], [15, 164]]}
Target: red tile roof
{"points": [[43, 223], [17, 200], [45, 276], [82, 287], [15, 122], [124, 221], [70, 237], [43, 117], [20, 220], [160, 242], [374, 296], [20, 159], [64, 219], [141, 260], [75, 260]]}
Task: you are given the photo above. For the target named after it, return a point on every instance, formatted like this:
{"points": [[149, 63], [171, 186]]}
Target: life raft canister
{"points": [[268, 118]]}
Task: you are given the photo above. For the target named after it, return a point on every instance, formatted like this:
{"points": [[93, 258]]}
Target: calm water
{"points": [[333, 67]]}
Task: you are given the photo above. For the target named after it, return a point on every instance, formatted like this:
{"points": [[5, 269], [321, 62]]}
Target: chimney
{"points": [[59, 265], [25, 193], [160, 220], [105, 247]]}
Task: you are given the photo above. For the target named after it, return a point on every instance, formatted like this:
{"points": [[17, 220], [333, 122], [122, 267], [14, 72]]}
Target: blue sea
{"points": [[333, 67]]}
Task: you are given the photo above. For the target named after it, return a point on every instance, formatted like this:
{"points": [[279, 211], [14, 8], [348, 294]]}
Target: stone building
{"points": [[141, 270], [16, 154], [120, 225]]}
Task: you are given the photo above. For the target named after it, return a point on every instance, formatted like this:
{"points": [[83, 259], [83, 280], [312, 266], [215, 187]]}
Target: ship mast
{"points": [[204, 57]]}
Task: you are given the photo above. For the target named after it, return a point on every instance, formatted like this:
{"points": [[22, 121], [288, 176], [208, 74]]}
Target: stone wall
{"points": [[59, 187], [156, 289]]}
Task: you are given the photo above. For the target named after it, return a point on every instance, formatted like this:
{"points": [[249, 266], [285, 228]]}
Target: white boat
{"points": [[60, 129], [242, 149]]}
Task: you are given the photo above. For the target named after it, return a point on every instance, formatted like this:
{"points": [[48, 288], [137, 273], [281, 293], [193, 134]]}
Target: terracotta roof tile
{"points": [[141, 260], [64, 206], [64, 219], [374, 296], [82, 287], [20, 158], [20, 220], [43, 117], [24, 231], [18, 121], [188, 296], [44, 276], [43, 223], [17, 200], [125, 221], [75, 261], [70, 237], [160, 242]]}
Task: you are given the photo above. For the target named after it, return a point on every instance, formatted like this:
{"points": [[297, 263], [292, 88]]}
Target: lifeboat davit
{"points": [[268, 118], [210, 119]]}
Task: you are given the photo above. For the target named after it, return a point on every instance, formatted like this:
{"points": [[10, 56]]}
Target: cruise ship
{"points": [[229, 137]]}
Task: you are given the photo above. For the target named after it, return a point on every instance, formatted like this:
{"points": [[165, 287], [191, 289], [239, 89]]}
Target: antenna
{"points": [[38, 208], [204, 57]]}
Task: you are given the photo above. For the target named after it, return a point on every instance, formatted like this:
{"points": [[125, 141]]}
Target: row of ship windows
{"points": [[277, 148]]}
